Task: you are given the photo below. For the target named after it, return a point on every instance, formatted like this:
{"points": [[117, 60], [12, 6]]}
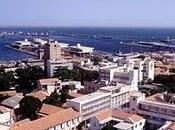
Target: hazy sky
{"points": [[118, 13]]}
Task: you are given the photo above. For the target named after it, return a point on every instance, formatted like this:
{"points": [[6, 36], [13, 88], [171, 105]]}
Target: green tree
{"points": [[67, 74], [29, 107], [53, 99], [168, 82], [7, 80], [28, 77], [58, 99]]}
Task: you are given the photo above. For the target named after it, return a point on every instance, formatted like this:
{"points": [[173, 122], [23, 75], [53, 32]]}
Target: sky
{"points": [[98, 13]]}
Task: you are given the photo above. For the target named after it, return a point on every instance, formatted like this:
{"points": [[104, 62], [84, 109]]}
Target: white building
{"points": [[21, 44], [76, 84], [7, 109], [80, 50], [145, 67], [49, 85], [156, 109], [120, 95], [116, 119], [121, 75], [89, 104], [53, 65]]}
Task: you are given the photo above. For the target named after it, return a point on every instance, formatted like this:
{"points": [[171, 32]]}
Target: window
{"points": [[140, 123]]}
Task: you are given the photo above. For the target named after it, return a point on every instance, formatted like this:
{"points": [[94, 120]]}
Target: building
{"points": [[121, 75], [52, 51], [156, 109], [49, 85], [8, 108], [89, 104], [145, 66], [66, 119], [22, 44], [120, 95], [168, 126], [53, 65], [116, 119], [80, 51]]}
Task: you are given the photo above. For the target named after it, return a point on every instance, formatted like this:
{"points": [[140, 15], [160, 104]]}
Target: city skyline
{"points": [[95, 13]]}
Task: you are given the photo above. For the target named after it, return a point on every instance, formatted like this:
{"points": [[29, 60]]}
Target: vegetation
{"points": [[7, 80], [57, 99], [29, 107], [78, 74], [67, 74], [168, 82], [27, 77], [87, 75]]}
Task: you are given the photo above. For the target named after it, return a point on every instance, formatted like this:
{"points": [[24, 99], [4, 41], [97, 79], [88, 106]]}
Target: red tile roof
{"points": [[48, 121]]}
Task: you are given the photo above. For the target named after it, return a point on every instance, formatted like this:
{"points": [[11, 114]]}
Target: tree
{"points": [[7, 80], [58, 99], [28, 77], [88, 75], [53, 99], [168, 82], [67, 74], [29, 107]]}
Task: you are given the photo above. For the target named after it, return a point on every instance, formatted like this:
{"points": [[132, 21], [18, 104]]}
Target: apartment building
{"points": [[116, 120], [120, 95], [145, 66], [156, 109], [53, 65], [121, 75], [89, 104]]}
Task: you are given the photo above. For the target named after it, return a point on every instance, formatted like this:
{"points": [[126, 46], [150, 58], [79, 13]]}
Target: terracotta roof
{"points": [[48, 121], [38, 94], [171, 126], [16, 124], [49, 109], [104, 114], [49, 81]]}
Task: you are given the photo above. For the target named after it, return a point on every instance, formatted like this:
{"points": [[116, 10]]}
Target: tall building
{"points": [[52, 51]]}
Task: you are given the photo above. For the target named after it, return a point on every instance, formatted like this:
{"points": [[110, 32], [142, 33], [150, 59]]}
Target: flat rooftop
{"points": [[111, 88], [123, 126], [89, 97]]}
